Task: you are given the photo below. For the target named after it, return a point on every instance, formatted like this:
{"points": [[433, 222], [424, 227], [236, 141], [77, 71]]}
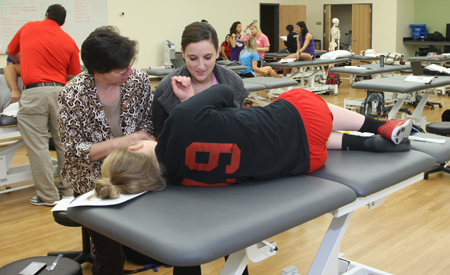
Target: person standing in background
{"points": [[237, 40], [262, 41], [48, 58]]}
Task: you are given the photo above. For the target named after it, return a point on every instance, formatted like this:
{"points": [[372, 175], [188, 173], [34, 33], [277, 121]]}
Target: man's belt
{"points": [[41, 84]]}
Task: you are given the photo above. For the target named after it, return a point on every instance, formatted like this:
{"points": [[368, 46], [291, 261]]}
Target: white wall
{"points": [[151, 21], [405, 17]]}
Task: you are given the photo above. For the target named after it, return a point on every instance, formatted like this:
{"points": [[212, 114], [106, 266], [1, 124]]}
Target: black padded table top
{"points": [[398, 84], [8, 121], [429, 58], [251, 87], [303, 63], [367, 173], [440, 152], [187, 226], [371, 69], [271, 82]]}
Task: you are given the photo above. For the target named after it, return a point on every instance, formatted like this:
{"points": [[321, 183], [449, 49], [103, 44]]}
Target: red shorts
{"points": [[318, 121]]}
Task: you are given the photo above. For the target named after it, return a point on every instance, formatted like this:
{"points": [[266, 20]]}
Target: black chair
{"points": [[443, 129], [64, 267], [86, 255]]}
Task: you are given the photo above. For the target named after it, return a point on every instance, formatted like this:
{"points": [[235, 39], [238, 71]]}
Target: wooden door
{"points": [[361, 27], [290, 15], [326, 27]]}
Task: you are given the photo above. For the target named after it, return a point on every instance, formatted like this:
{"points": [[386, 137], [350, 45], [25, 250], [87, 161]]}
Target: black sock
{"points": [[373, 144], [371, 125], [352, 142]]}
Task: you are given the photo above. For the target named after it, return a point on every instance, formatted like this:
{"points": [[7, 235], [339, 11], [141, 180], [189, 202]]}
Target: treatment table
{"points": [[373, 70], [440, 60], [397, 84], [268, 83], [188, 226], [311, 71], [10, 175]]}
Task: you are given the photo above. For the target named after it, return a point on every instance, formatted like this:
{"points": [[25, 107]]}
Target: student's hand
{"points": [[15, 96], [182, 87]]}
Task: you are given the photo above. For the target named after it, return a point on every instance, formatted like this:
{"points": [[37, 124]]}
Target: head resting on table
{"points": [[129, 172]]}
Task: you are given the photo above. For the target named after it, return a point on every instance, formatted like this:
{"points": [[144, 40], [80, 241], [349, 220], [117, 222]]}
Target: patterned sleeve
{"points": [[145, 102], [71, 128]]}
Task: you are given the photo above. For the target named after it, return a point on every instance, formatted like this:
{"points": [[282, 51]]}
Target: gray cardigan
{"points": [[165, 99]]}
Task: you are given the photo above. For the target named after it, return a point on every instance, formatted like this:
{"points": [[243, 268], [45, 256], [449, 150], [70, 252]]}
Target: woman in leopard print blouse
{"points": [[107, 106]]}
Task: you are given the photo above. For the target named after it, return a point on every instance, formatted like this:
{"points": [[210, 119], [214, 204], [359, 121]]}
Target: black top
{"points": [[291, 42], [165, 100], [205, 141]]}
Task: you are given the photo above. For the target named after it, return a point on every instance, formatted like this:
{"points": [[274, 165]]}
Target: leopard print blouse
{"points": [[82, 122]]}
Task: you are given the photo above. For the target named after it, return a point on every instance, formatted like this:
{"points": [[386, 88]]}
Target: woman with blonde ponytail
{"points": [[127, 172]]}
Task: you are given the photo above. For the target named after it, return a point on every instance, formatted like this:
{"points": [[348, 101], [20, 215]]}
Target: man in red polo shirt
{"points": [[48, 58]]}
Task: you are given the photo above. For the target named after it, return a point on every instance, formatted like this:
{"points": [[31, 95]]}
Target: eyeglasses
{"points": [[126, 71]]}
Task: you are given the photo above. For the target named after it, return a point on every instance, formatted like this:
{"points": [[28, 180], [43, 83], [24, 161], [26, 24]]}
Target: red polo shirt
{"points": [[47, 53]]}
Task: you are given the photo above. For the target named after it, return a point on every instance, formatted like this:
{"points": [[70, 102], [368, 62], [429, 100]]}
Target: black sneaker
{"points": [[37, 201]]}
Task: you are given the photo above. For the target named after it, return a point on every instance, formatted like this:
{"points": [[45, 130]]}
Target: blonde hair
{"points": [[255, 25], [126, 172], [251, 45]]}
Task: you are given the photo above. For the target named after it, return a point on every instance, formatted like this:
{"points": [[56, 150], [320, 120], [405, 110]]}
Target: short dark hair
{"points": [[199, 31], [105, 50], [56, 13], [234, 26], [290, 28]]}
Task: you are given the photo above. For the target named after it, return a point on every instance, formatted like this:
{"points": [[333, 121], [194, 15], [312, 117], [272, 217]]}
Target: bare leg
{"points": [[267, 70], [335, 141], [345, 120], [305, 56], [288, 70], [391, 139], [11, 73]]}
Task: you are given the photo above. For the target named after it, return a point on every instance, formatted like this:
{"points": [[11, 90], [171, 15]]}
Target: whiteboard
{"points": [[83, 16]]}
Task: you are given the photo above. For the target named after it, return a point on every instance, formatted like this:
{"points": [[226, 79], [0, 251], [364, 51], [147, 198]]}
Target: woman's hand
{"points": [[182, 87], [297, 55], [102, 149]]}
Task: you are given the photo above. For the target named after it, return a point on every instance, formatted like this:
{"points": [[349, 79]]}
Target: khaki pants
{"points": [[38, 114]]}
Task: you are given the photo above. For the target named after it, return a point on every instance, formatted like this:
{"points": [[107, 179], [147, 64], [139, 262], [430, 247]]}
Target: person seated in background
{"points": [[305, 45], [290, 42], [225, 48], [206, 143], [262, 41], [249, 58]]}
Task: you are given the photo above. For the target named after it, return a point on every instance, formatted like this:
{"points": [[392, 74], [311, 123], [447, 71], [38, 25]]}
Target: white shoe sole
{"points": [[401, 132]]}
